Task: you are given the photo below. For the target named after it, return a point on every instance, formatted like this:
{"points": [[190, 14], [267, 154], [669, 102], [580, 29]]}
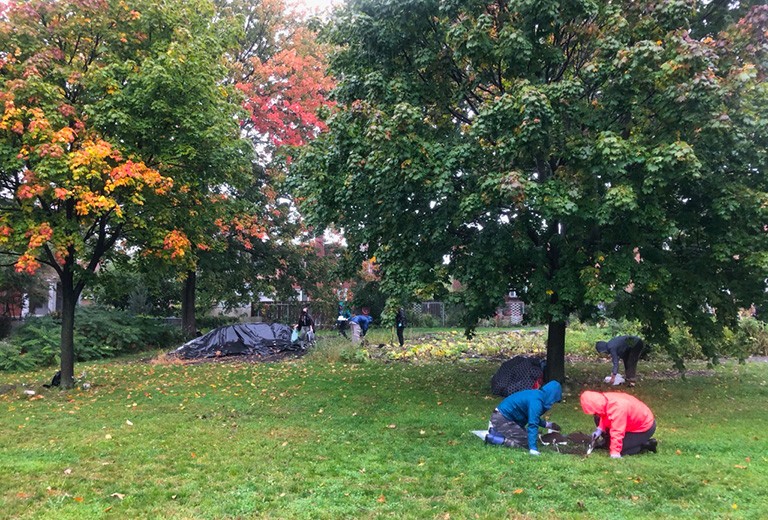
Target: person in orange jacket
{"points": [[625, 420]]}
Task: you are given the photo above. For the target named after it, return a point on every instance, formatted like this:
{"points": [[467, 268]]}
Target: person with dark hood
{"points": [[306, 325], [626, 348], [623, 421], [518, 417], [400, 323]]}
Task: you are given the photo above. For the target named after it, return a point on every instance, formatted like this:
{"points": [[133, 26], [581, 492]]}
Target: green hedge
{"points": [[99, 333]]}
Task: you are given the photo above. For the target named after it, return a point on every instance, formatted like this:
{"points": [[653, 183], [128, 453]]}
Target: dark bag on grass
{"points": [[518, 373], [56, 381]]}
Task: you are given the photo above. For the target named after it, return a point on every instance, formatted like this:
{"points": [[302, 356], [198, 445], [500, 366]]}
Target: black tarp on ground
{"points": [[246, 339], [518, 373]]}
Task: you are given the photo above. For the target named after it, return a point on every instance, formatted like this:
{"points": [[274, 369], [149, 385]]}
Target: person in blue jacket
{"points": [[362, 321], [521, 412]]}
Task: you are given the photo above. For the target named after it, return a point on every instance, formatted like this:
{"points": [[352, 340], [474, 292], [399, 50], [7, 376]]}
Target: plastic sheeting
{"points": [[245, 339]]}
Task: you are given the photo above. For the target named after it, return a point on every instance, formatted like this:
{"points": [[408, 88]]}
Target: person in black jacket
{"points": [[400, 322], [306, 325], [626, 348]]}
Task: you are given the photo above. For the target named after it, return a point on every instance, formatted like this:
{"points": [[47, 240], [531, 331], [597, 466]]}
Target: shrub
{"points": [[99, 333], [13, 358], [6, 326], [754, 333]]}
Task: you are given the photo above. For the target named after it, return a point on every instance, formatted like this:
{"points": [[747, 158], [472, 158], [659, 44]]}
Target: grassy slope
{"points": [[312, 439]]}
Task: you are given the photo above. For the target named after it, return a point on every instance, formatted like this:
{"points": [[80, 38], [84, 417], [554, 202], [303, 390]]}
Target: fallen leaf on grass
{"points": [[68, 471], [381, 499], [517, 491], [739, 466], [78, 499]]}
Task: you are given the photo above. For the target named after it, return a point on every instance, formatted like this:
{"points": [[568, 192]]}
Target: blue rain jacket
{"points": [[527, 406]]}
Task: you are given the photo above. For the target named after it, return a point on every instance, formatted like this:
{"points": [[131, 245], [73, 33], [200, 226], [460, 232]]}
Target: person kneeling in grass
{"points": [[624, 421], [523, 410]]}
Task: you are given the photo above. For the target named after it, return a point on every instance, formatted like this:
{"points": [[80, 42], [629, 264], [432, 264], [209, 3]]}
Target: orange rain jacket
{"points": [[619, 413]]}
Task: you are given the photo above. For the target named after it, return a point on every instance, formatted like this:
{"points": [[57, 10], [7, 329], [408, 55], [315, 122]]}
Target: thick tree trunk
{"points": [[69, 302], [188, 322], [556, 351]]}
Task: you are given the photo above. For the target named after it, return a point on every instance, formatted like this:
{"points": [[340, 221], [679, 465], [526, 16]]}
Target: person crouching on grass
{"points": [[523, 410], [624, 421], [626, 348]]}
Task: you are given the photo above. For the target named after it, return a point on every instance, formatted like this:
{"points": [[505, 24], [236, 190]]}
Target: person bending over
{"points": [[626, 348]]}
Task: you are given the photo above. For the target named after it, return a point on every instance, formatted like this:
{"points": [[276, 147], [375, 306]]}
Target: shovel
{"points": [[591, 446]]}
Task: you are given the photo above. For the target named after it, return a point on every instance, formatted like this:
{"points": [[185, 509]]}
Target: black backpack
{"points": [[56, 381]]}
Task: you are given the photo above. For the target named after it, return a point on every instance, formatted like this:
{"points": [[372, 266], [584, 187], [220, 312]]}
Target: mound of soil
{"points": [[575, 443]]}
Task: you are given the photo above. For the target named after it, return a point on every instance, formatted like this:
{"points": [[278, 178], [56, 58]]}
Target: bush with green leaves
{"points": [[99, 333], [754, 334]]}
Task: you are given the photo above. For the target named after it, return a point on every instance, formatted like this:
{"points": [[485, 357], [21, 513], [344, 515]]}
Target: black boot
{"points": [[650, 445]]}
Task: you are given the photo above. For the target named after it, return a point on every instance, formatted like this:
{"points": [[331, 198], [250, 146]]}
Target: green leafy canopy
{"points": [[577, 152]]}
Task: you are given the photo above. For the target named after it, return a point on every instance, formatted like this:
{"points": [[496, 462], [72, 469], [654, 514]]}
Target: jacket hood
{"points": [[593, 402], [601, 346], [553, 393]]}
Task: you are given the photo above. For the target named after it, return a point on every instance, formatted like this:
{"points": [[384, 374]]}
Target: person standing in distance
{"points": [[306, 325], [400, 323]]}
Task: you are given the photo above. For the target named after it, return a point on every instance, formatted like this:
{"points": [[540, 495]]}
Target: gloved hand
{"points": [[597, 433], [534, 452], [615, 455], [553, 426]]}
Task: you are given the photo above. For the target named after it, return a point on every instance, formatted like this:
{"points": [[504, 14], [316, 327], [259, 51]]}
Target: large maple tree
{"points": [[576, 152], [259, 244], [114, 116]]}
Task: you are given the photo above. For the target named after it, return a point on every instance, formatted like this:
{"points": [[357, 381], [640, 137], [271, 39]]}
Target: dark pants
{"points": [[631, 358], [400, 335], [633, 442], [511, 431], [342, 327]]}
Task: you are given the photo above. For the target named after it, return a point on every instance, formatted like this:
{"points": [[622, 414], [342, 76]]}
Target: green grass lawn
{"points": [[310, 438]]}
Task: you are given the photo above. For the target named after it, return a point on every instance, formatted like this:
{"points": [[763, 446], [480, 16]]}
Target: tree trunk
{"points": [[188, 322], [69, 302], [556, 351]]}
